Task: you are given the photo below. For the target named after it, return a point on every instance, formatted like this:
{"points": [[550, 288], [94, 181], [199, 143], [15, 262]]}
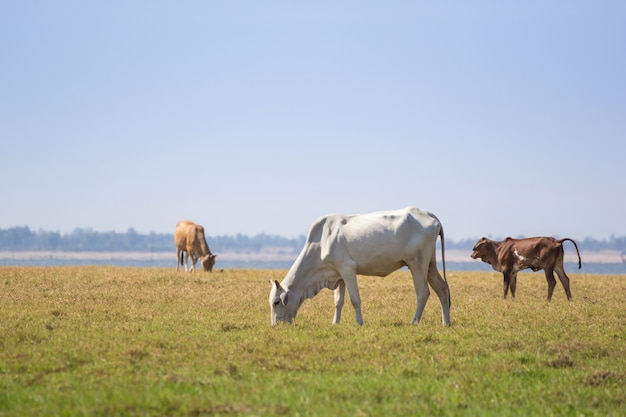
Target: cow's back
{"points": [[196, 242], [183, 228], [389, 227], [379, 243]]}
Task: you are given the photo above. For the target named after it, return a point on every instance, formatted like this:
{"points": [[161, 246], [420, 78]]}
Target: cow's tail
{"points": [[443, 263], [576, 246], [443, 254], [182, 256]]}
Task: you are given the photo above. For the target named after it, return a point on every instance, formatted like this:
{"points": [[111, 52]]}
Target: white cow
{"points": [[340, 247]]}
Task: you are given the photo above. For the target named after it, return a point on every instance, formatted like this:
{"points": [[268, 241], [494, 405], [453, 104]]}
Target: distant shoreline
{"points": [[159, 256], [608, 256]]}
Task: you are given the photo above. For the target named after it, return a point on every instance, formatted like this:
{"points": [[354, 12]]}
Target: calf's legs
{"points": [[551, 282], [513, 283], [560, 271], [510, 282], [508, 278]]}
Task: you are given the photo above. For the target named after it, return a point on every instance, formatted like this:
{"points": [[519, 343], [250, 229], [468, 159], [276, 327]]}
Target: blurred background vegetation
{"points": [[22, 238]]}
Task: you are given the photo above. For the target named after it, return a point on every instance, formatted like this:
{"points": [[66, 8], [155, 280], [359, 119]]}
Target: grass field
{"points": [[105, 341]]}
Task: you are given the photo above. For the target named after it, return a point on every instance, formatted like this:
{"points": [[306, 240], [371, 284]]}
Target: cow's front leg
{"points": [[507, 282], [186, 261], [513, 283], [349, 279], [193, 264], [340, 292]]}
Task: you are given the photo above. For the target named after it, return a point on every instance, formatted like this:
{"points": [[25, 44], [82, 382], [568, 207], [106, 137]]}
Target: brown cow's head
{"points": [[207, 262], [485, 250]]}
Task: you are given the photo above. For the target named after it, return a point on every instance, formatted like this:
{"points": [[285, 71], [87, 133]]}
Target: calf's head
{"points": [[282, 308], [484, 249], [207, 262]]}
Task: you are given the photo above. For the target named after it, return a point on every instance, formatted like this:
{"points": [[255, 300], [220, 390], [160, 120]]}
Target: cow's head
{"points": [[207, 262], [484, 249], [282, 308]]}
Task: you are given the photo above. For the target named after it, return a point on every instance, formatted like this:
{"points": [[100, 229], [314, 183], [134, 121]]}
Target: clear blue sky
{"points": [[503, 118]]}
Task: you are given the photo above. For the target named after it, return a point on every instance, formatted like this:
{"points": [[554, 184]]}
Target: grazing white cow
{"points": [[340, 247], [190, 242]]}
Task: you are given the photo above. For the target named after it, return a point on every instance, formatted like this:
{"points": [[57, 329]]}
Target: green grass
{"points": [[100, 341]]}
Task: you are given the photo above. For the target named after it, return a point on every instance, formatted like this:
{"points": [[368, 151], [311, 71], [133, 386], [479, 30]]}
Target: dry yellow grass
{"points": [[130, 341]]}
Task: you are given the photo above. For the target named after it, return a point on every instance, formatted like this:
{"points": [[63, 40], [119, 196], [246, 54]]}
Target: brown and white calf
{"points": [[513, 255], [190, 242]]}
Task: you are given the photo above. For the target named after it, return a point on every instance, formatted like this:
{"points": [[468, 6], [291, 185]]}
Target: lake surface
{"points": [[160, 262]]}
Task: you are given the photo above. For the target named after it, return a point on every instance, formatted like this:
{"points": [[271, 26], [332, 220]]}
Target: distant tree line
{"points": [[87, 240]]}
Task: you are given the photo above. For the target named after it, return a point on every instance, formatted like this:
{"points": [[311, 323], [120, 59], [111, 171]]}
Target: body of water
{"points": [[159, 262]]}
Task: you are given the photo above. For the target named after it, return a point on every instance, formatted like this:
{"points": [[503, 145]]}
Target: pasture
{"points": [[114, 341]]}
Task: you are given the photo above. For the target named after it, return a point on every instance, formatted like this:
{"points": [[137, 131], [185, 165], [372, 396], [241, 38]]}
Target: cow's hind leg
{"points": [[441, 289], [340, 292], [551, 282], [419, 271], [560, 271]]}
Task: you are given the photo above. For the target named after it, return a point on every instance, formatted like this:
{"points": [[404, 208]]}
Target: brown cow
{"points": [[512, 255], [190, 242]]}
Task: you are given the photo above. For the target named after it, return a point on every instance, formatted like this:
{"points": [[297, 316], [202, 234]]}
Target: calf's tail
{"points": [[576, 246]]}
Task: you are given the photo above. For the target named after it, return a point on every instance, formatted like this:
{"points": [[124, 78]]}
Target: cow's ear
{"points": [[283, 298]]}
